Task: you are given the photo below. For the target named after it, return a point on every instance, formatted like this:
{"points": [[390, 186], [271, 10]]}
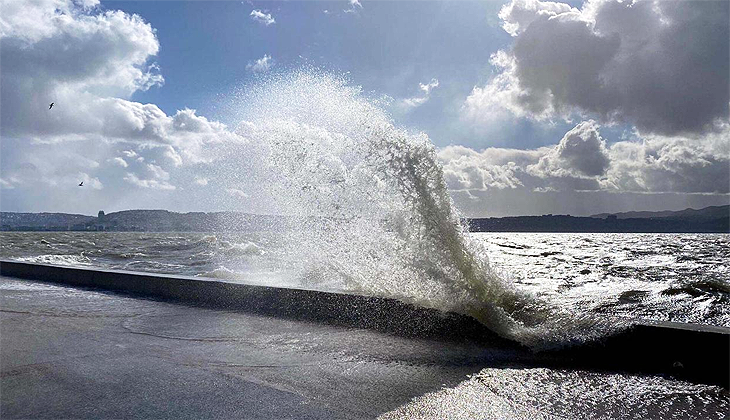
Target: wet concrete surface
{"points": [[69, 352]]}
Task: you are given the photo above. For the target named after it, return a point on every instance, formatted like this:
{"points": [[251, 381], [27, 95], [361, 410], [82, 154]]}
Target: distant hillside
{"points": [[35, 221], [140, 220], [707, 213], [550, 223], [709, 219]]}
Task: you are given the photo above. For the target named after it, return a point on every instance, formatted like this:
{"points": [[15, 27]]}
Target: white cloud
{"points": [[426, 88], [466, 169], [517, 15], [87, 62], [8, 183], [417, 101], [89, 181], [661, 66], [173, 156], [235, 192], [157, 178], [119, 161], [676, 164], [157, 172], [582, 161], [148, 183], [200, 181], [355, 6], [260, 65], [262, 17]]}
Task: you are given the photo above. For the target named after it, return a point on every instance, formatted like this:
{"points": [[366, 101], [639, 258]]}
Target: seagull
{"points": [[81, 184], [51, 105]]}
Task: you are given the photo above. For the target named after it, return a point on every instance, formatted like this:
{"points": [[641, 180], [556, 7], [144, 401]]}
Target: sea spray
{"points": [[371, 209]]}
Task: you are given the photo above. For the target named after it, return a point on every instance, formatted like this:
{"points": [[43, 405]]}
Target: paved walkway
{"points": [[75, 353]]}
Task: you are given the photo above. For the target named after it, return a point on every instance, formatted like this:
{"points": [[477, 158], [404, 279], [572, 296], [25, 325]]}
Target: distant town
{"points": [[709, 219]]}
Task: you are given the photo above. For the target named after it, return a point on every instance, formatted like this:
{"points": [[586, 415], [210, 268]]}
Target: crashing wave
{"points": [[373, 211]]}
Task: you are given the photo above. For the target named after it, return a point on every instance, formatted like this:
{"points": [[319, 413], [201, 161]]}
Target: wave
{"points": [[70, 260], [222, 273], [374, 214]]}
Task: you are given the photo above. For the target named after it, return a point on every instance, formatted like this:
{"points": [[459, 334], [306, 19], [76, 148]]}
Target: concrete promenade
{"points": [[78, 352]]}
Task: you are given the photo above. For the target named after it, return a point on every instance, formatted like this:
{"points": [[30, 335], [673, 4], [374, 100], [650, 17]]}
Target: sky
{"points": [[533, 107]]}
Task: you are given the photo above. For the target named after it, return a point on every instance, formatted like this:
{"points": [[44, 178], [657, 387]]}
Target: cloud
{"points": [[660, 66], [417, 101], [355, 6], [73, 59], [236, 193], [582, 161], [580, 152], [262, 17], [157, 178], [119, 161], [426, 88], [49, 169], [89, 182], [173, 156], [676, 164], [89, 62], [158, 172], [260, 65], [517, 15], [466, 169], [503, 95], [148, 183], [200, 181]]}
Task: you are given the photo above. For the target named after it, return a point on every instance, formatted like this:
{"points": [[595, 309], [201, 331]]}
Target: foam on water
{"points": [[372, 208], [70, 260]]}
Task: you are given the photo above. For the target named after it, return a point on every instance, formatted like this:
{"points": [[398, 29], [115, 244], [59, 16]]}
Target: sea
{"points": [[667, 277]]}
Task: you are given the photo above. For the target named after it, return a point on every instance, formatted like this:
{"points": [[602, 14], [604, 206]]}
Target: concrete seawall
{"points": [[380, 314], [692, 352]]}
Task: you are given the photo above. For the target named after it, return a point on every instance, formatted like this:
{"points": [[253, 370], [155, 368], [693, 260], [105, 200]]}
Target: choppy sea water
{"points": [[671, 277]]}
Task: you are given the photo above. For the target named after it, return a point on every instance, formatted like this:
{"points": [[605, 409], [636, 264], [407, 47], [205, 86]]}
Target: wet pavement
{"points": [[69, 352]]}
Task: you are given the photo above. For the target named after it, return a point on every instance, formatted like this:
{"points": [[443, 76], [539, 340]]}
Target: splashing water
{"points": [[373, 212]]}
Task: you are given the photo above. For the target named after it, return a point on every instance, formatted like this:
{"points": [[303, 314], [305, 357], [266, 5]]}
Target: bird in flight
{"points": [[81, 184], [51, 105]]}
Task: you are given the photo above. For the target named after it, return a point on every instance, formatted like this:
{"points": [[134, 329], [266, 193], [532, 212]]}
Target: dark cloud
{"points": [[581, 152], [663, 66]]}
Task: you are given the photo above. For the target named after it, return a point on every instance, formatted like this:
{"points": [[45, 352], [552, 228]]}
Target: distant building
{"points": [[100, 222]]}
